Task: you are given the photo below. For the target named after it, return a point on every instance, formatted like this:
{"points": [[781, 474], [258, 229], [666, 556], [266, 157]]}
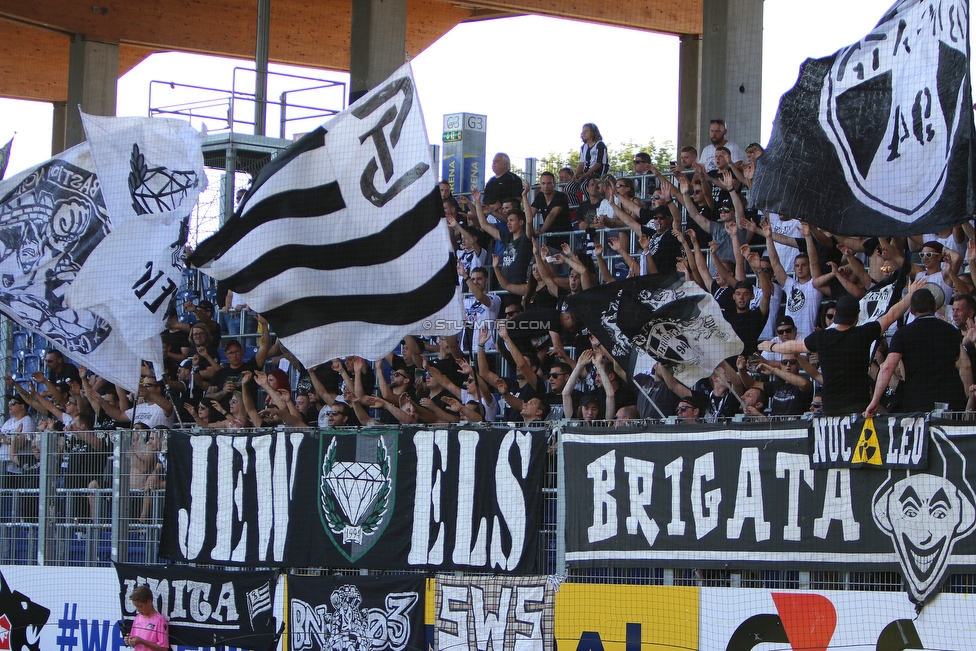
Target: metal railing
{"points": [[300, 99]]}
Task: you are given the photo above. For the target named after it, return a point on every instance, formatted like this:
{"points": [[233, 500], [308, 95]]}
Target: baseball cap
{"points": [[587, 399], [847, 310], [785, 320], [743, 284]]}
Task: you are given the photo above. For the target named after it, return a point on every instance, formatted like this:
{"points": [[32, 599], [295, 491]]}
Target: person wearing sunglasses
{"points": [[788, 392], [692, 407], [940, 266], [785, 331]]}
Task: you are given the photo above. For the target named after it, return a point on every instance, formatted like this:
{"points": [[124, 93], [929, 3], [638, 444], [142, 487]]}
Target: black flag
{"points": [[662, 316], [878, 138]]}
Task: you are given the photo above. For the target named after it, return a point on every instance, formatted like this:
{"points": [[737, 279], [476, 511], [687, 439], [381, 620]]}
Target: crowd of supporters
{"points": [[789, 290]]}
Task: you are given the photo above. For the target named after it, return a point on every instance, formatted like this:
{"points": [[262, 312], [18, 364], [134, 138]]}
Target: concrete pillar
{"points": [[93, 75], [689, 90], [261, 49], [59, 120], [731, 64], [379, 43]]}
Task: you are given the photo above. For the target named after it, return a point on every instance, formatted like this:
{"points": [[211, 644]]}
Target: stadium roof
{"points": [[35, 35]]}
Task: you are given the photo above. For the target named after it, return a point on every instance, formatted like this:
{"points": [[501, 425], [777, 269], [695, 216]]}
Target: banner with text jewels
{"points": [[882, 494], [458, 498]]}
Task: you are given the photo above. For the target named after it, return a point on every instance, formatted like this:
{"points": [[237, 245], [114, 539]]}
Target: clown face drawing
{"points": [[925, 513]]}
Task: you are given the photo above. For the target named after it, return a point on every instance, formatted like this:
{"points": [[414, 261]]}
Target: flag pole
{"points": [[641, 388]]}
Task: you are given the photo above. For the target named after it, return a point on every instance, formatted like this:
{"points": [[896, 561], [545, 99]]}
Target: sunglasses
{"points": [[725, 210], [398, 374], [784, 331], [830, 315], [790, 361], [927, 254], [684, 408], [333, 412], [148, 385], [469, 380], [511, 314], [816, 405], [556, 376]]}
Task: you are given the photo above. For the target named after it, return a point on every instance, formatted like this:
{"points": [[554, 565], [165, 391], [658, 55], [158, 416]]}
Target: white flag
{"points": [[151, 173], [340, 243], [51, 218]]}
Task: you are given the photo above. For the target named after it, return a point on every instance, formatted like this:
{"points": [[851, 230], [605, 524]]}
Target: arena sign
{"points": [[750, 497], [458, 498]]}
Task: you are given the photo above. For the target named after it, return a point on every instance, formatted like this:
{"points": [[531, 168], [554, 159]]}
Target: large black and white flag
{"points": [[340, 242], [878, 138], [673, 321], [51, 219], [5, 156], [150, 174]]}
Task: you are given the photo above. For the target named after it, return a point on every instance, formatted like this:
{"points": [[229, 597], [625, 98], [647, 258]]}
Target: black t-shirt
{"points": [[785, 399], [664, 249], [665, 399], [177, 340], [749, 326], [516, 256], [929, 349], [586, 211], [559, 200], [226, 373], [500, 188], [845, 356]]}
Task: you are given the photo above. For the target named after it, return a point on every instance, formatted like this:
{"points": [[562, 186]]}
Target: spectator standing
{"points": [[594, 160], [935, 371], [717, 132], [504, 185], [150, 630]]}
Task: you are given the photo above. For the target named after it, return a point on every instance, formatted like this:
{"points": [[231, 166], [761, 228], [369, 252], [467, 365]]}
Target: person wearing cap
{"points": [[937, 368], [785, 331], [845, 353], [692, 407]]}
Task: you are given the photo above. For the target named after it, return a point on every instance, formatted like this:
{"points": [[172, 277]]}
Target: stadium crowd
{"points": [[789, 290]]}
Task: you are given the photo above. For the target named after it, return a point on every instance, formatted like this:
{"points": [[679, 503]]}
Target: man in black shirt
{"points": [[227, 379], [935, 371], [749, 323], [845, 353], [551, 204], [504, 185]]}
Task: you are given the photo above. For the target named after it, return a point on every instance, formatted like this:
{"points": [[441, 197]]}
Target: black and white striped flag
{"points": [[5, 156], [340, 242]]}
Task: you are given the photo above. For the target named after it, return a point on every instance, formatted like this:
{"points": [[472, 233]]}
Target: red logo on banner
{"points": [[808, 619], [4, 633]]}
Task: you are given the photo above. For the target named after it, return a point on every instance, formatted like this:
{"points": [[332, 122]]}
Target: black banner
{"points": [[749, 497], [330, 613], [458, 498], [878, 442], [206, 608]]}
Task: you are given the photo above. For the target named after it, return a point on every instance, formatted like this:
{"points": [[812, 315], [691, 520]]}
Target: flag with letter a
{"points": [[340, 241], [878, 138]]}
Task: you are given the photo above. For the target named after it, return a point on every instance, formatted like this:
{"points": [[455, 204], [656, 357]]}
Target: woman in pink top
{"points": [[150, 630]]}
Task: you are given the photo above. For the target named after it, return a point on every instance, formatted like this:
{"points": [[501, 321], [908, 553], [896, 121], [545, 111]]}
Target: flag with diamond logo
{"points": [[356, 489]]}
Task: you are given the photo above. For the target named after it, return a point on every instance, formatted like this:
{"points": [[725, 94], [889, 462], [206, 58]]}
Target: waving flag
{"points": [[150, 173], [673, 321], [878, 138], [340, 242]]}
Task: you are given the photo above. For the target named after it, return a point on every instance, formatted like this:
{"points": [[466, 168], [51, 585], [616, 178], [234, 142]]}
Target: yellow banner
{"points": [[626, 617]]}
